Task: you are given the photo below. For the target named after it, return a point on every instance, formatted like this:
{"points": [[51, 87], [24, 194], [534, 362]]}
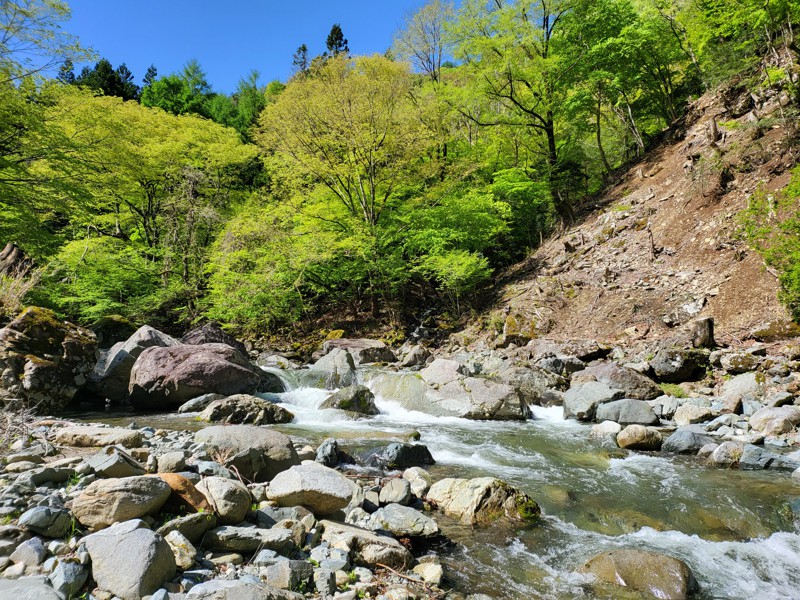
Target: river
{"points": [[735, 529]]}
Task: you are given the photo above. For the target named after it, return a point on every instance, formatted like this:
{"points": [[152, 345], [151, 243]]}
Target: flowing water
{"points": [[735, 529]]}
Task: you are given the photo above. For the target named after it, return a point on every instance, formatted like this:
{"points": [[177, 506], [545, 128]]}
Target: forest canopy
{"points": [[365, 185]]}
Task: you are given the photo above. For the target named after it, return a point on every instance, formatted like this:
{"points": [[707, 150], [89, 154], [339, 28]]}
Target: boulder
{"points": [[354, 398], [44, 361], [112, 462], [27, 589], [165, 378], [245, 409], [87, 436], [239, 589], [727, 454], [194, 527], [289, 574], [403, 521], [129, 560], [68, 578], [443, 371], [230, 499], [366, 548], [107, 501], [46, 521], [415, 357], [768, 417], [185, 497], [605, 429], [362, 350], [30, 553], [199, 403], [757, 458], [112, 329], [112, 373], [400, 456], [532, 383], [482, 500], [639, 437], [258, 454], [657, 575], [633, 384], [419, 479], [320, 489], [676, 365], [689, 414], [581, 400], [334, 370], [687, 440], [740, 388], [395, 491], [248, 539], [183, 550], [740, 362], [212, 333], [330, 454], [627, 412], [482, 399]]}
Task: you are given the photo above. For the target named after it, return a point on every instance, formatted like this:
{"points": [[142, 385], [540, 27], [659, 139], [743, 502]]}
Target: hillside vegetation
{"points": [[377, 187]]}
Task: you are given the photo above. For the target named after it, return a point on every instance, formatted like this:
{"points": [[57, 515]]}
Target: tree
{"points": [[182, 93], [31, 38], [511, 48], [112, 82], [336, 42], [66, 72], [150, 76], [422, 40], [300, 62]]}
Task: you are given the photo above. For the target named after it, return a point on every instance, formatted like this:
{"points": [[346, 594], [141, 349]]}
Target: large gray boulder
{"points": [[164, 378], [581, 400], [366, 548], [656, 575], [112, 373], [256, 453], [765, 419], [322, 490], [532, 383], [482, 500], [639, 437], [248, 539], [627, 412], [676, 365], [108, 501], [362, 350], [336, 369], [229, 498], [46, 521], [756, 458], [27, 589], [687, 440], [44, 361], [447, 392], [244, 409], [633, 384], [88, 436], [129, 560]]}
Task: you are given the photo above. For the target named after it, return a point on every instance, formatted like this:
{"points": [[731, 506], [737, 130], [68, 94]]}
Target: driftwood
{"points": [[14, 262]]}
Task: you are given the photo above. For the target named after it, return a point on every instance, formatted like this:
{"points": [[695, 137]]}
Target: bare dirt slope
{"points": [[662, 245]]}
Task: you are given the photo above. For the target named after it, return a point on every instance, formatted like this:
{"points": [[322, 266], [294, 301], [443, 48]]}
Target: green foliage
{"points": [[771, 225], [673, 389]]}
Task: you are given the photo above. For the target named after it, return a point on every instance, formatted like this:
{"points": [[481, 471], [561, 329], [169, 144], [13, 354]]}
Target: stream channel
{"points": [[735, 529]]}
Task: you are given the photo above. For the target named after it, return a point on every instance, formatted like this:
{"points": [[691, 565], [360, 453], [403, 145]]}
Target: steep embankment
{"points": [[661, 246]]}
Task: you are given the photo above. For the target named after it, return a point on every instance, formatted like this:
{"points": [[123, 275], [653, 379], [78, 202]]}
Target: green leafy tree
{"points": [[422, 41]]}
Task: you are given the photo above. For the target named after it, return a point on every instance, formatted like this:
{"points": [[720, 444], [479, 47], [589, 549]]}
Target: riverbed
{"points": [[737, 530]]}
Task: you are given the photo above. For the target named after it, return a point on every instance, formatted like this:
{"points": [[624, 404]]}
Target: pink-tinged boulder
{"points": [[166, 377]]}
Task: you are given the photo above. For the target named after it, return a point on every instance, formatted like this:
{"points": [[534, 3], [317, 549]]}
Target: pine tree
{"points": [[300, 60], [336, 42]]}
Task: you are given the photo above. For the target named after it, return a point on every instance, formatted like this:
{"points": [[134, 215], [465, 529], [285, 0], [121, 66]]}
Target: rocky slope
{"points": [[661, 245]]}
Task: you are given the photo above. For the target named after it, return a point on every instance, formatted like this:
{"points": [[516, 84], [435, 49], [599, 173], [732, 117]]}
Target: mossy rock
{"points": [[112, 329]]}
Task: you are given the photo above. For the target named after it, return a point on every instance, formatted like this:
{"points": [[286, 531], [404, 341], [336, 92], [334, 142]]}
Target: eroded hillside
{"points": [[662, 245]]}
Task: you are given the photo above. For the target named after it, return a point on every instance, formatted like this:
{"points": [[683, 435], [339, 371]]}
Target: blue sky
{"points": [[229, 38]]}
